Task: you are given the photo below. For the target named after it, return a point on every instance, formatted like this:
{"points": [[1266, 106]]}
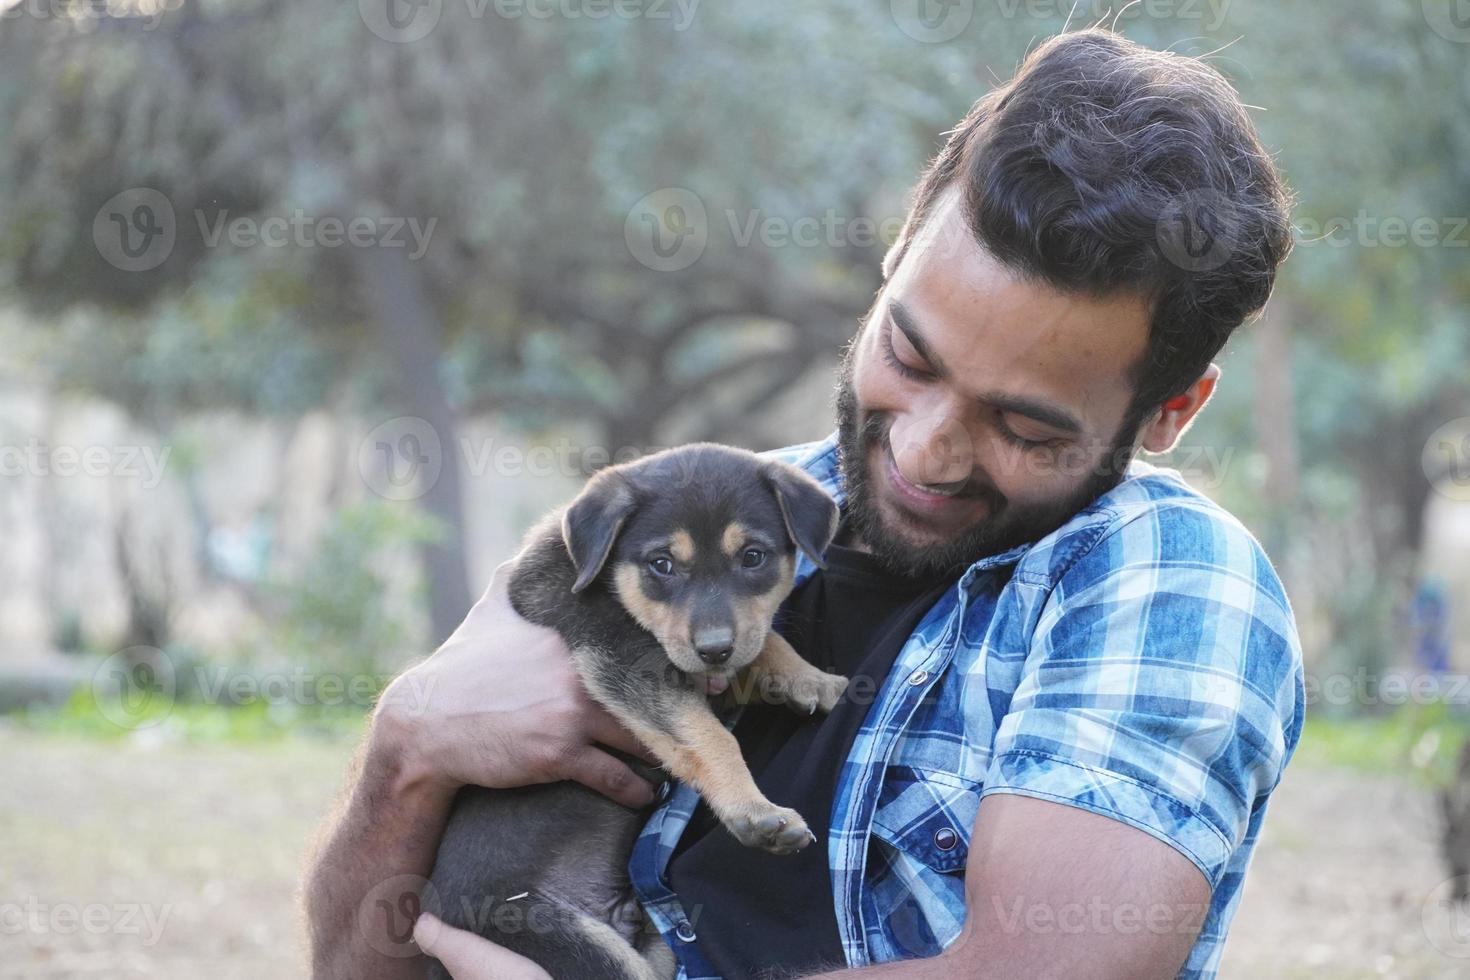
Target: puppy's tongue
{"points": [[716, 683]]}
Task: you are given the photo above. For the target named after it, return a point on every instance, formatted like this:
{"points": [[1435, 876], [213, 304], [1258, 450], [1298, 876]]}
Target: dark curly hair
{"points": [[1105, 166]]}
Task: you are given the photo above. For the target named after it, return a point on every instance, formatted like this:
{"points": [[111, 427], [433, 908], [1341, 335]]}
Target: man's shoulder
{"points": [[1156, 571], [807, 455], [1154, 519], [817, 458]]}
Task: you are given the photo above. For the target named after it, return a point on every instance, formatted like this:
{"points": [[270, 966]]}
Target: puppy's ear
{"points": [[591, 524], [810, 515]]}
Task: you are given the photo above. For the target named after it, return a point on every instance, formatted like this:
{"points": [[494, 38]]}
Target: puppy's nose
{"points": [[715, 645]]}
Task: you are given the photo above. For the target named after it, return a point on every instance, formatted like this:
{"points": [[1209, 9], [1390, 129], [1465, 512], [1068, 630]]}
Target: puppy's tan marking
{"points": [[781, 672], [653, 616], [704, 754], [734, 538], [681, 546], [662, 620], [753, 614], [700, 751], [606, 938]]}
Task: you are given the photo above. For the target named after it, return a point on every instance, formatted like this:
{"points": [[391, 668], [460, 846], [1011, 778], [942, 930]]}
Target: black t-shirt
{"points": [[763, 915]]}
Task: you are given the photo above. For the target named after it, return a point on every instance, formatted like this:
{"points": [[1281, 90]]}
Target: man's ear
{"points": [[810, 515], [591, 524], [1161, 433]]}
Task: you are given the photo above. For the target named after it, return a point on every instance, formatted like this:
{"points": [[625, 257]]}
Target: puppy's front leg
{"points": [[702, 752], [780, 672], [677, 725]]}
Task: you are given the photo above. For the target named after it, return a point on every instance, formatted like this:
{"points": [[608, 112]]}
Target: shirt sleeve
{"points": [[1163, 686]]}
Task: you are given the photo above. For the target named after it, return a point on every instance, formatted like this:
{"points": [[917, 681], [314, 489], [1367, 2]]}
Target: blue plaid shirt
{"points": [[1140, 662]]}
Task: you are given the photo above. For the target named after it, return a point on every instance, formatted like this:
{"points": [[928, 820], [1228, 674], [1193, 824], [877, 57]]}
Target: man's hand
{"points": [[470, 957], [500, 705]]}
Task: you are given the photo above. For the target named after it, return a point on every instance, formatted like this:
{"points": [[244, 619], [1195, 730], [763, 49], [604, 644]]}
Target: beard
{"points": [[861, 436]]}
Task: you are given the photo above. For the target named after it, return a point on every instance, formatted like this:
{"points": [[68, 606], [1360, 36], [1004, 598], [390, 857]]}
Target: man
{"points": [[1076, 680]]}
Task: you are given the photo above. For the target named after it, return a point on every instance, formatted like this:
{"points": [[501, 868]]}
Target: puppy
{"points": [[663, 568]]}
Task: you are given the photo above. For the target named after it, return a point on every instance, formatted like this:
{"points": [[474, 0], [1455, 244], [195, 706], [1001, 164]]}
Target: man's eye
{"points": [[890, 355], [1024, 439], [753, 558], [661, 566]]}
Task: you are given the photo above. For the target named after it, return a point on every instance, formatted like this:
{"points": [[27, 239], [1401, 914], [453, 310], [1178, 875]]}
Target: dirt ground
{"points": [[174, 861]]}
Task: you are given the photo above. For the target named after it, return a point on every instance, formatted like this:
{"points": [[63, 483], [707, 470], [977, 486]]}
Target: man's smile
{"points": [[934, 512]]}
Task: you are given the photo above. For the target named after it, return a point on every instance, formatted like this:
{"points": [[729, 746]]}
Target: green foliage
{"points": [[341, 612]]}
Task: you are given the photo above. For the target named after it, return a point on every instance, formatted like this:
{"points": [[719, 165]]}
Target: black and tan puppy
{"points": [[663, 568]]}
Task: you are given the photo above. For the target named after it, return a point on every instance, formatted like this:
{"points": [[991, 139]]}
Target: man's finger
{"points": [[604, 728], [599, 771], [469, 957]]}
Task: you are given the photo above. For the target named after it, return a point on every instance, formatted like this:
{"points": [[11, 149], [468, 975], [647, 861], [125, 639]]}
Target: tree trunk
{"points": [[1276, 411], [409, 329]]}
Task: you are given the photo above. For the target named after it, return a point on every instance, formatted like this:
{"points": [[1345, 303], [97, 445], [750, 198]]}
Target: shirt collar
{"points": [[820, 461]]}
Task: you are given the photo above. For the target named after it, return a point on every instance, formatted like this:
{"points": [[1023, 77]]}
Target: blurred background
{"points": [[308, 310]]}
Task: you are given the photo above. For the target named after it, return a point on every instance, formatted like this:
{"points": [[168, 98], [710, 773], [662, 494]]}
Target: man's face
{"points": [[978, 410]]}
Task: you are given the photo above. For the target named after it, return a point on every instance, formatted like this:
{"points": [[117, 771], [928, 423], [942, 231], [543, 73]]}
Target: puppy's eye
{"points": [[753, 558], [661, 566]]}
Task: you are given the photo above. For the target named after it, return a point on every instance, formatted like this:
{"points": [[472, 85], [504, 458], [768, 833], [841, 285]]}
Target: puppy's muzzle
{"points": [[715, 644]]}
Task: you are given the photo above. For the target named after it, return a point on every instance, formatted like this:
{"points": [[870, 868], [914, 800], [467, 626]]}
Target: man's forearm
{"points": [[359, 910]]}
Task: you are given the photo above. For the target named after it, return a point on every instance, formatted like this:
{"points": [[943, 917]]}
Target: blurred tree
{"points": [[533, 144], [1366, 350], [527, 143]]}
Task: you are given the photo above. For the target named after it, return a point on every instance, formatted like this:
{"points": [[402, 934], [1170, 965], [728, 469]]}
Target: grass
{"points": [[1422, 742], [199, 724]]}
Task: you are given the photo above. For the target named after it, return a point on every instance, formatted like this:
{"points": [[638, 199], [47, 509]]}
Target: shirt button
{"points": [[945, 839], [918, 677], [684, 931]]}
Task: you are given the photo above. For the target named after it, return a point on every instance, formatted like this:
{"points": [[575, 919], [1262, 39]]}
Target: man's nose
{"points": [[714, 644], [933, 450]]}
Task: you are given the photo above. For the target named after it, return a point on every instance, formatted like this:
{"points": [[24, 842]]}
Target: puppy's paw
{"points": [[815, 691], [830, 691], [777, 829]]}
